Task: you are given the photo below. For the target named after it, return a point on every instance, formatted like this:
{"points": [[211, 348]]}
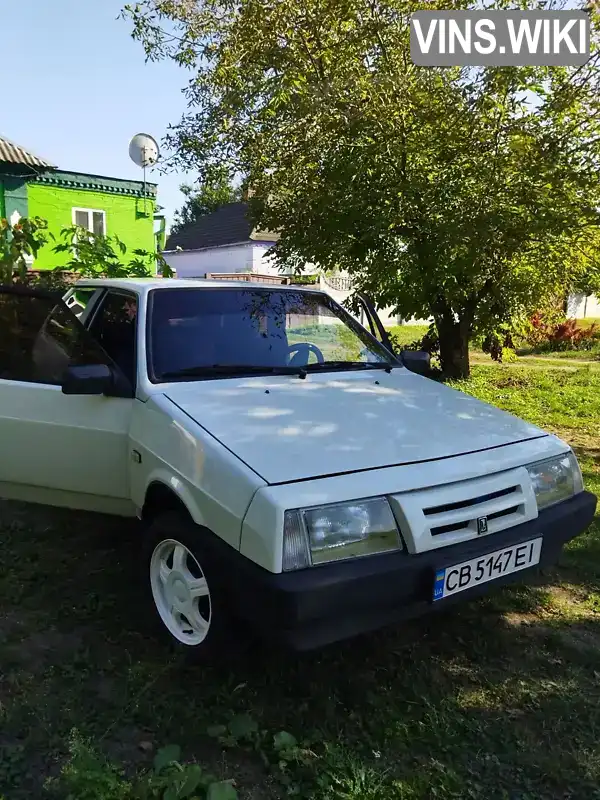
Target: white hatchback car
{"points": [[290, 469]]}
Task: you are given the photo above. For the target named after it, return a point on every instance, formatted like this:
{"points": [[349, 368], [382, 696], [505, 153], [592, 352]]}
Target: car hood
{"points": [[289, 429]]}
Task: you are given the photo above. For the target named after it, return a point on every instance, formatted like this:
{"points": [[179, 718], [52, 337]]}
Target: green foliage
{"points": [[284, 741], [499, 345], [508, 356], [93, 256], [11, 761], [221, 791], [89, 776], [305, 280], [291, 762], [208, 195], [16, 242], [243, 727], [166, 756], [464, 194]]}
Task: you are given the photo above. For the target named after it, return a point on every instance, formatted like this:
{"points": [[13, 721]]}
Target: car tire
{"points": [[185, 589]]}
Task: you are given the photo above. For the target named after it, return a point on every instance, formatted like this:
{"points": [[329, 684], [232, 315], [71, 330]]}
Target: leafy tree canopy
{"points": [[205, 197], [470, 195]]}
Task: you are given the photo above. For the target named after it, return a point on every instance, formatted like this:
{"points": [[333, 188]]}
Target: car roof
{"points": [[144, 285]]}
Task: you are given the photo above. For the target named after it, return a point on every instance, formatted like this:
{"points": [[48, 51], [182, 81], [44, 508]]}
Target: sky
{"points": [[76, 88]]}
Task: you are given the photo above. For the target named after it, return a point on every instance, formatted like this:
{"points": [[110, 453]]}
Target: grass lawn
{"points": [[573, 355], [498, 699], [407, 334], [593, 353]]}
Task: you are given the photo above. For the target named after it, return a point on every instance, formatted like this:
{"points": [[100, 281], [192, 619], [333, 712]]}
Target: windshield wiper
{"points": [[233, 369], [352, 365], [208, 370]]}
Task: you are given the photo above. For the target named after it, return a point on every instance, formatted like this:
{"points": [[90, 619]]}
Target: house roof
{"points": [[98, 183], [229, 224], [15, 154]]}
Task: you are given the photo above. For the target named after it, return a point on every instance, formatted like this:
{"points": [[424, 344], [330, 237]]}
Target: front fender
{"points": [[171, 448], [179, 488]]}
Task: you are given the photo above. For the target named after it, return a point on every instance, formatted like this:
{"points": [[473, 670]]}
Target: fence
{"points": [[340, 283]]}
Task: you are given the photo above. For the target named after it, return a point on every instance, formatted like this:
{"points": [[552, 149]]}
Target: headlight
{"points": [[555, 479], [335, 532]]}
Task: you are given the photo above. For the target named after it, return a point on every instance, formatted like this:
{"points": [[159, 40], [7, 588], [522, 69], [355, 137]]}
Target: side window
{"points": [[114, 328], [40, 338], [79, 299]]}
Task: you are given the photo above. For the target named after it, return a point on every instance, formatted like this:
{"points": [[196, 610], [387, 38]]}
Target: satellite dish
{"points": [[143, 150]]}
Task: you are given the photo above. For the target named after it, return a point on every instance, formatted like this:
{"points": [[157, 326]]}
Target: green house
{"points": [[32, 187]]}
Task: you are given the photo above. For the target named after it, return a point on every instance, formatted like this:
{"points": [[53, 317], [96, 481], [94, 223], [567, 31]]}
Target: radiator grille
{"points": [[444, 515], [469, 511]]}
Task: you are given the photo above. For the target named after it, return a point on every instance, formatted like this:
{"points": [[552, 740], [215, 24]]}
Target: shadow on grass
{"points": [[498, 696]]}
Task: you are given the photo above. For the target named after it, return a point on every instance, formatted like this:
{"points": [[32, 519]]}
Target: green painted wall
{"points": [[124, 216], [2, 207]]}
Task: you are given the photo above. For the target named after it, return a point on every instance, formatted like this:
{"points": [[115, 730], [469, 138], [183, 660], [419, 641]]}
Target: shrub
{"points": [[93, 255], [565, 335], [500, 346], [17, 243], [304, 280], [88, 775]]}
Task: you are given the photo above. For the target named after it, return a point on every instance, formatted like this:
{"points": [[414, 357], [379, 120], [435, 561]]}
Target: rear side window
{"points": [[78, 301], [40, 338]]}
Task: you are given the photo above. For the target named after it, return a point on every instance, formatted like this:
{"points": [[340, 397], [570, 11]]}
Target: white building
{"points": [[582, 307], [222, 242]]}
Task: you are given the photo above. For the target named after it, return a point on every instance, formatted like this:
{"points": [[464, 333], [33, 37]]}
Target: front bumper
{"points": [[319, 605]]}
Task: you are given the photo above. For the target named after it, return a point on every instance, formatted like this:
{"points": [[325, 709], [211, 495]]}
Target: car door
{"points": [[113, 324], [55, 448]]}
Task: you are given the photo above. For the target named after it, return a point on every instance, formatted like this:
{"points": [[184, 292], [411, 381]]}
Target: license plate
{"points": [[488, 567]]}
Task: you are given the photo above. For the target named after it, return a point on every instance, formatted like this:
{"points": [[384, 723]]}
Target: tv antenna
{"points": [[143, 151]]}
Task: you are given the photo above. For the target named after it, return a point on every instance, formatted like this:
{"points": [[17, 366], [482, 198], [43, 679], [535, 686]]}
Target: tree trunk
{"points": [[454, 346]]}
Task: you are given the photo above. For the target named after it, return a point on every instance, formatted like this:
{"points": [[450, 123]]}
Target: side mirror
{"points": [[87, 379], [418, 361]]}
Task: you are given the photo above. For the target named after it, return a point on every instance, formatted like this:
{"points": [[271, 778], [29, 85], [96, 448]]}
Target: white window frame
{"points": [[90, 212]]}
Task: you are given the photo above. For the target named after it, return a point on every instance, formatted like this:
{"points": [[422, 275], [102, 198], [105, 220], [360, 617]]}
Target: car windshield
{"points": [[208, 332]]}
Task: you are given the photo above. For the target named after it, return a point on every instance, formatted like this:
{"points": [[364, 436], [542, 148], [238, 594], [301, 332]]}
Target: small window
{"points": [[40, 338], [79, 299], [98, 222], [93, 220]]}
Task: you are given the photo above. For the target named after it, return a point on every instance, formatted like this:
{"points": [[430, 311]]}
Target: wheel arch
{"points": [[167, 493]]}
